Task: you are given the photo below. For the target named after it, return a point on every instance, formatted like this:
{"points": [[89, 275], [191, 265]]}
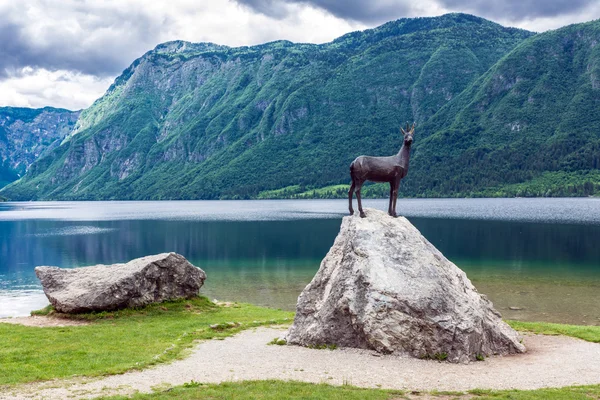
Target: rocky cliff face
{"points": [[27, 134], [383, 286]]}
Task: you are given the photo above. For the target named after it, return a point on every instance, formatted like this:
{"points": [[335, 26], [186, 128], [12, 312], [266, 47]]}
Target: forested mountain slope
{"points": [[26, 134], [534, 117], [206, 121]]}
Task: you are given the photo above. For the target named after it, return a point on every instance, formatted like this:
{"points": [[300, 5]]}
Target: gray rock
{"points": [[383, 286], [139, 282]]}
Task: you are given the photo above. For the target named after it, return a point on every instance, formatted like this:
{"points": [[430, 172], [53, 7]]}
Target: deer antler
{"points": [[413, 127]]}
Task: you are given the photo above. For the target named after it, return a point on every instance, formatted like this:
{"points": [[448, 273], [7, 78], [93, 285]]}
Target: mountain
{"points": [[207, 121], [27, 134], [529, 126]]}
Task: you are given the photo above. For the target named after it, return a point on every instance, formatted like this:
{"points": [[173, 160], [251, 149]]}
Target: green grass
{"points": [[278, 342], [265, 390], [327, 192], [282, 193], [567, 393], [122, 340], [551, 184], [587, 333], [369, 191]]}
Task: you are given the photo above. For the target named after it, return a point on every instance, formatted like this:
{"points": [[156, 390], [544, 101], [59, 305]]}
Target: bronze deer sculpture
{"points": [[381, 169]]}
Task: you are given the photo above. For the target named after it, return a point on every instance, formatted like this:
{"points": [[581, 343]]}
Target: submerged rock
{"points": [[383, 286], [139, 282]]}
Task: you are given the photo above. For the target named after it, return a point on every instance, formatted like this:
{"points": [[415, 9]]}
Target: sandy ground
{"points": [[551, 361], [42, 321]]}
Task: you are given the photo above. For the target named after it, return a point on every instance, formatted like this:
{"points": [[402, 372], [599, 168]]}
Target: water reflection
{"points": [[527, 249]]}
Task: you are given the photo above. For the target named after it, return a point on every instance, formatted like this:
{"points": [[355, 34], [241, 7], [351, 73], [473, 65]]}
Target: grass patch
{"points": [[369, 191], [282, 193], [271, 389], [121, 340], [278, 342], [587, 333], [268, 390], [567, 393], [48, 310]]}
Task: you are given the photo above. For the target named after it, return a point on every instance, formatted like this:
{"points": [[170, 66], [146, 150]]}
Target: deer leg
{"points": [[360, 209], [350, 193], [395, 199], [391, 192]]}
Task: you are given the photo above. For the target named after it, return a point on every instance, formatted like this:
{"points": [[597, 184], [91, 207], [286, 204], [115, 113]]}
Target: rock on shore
{"points": [[383, 286], [139, 282]]}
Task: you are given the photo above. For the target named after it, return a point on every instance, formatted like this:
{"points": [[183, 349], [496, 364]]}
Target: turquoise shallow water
{"points": [[539, 255]]}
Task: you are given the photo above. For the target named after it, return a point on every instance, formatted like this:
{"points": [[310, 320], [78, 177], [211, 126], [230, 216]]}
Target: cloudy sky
{"points": [[65, 53]]}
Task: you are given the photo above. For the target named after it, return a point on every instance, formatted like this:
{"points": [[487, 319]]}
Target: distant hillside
{"points": [[26, 134], [206, 121], [530, 126]]}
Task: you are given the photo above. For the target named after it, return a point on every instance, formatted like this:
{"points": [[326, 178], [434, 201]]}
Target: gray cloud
{"points": [[10, 47], [65, 53], [272, 8], [518, 10], [90, 38], [105, 42], [372, 11], [376, 11]]}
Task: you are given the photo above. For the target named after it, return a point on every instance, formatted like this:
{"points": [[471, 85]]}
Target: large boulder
{"points": [[383, 286], [142, 281]]}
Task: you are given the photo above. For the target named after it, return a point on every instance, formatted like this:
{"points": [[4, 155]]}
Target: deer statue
{"points": [[381, 169]]}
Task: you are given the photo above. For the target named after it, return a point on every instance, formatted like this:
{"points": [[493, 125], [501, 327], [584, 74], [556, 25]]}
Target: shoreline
{"points": [[530, 299]]}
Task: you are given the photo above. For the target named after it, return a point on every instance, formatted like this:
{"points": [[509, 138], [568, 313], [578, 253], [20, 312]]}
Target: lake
{"points": [[541, 256]]}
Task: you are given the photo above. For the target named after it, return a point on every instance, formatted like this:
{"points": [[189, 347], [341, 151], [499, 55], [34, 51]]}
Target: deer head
{"points": [[408, 134]]}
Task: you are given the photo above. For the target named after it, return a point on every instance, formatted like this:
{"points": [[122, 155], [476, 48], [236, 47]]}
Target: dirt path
{"points": [[551, 361]]}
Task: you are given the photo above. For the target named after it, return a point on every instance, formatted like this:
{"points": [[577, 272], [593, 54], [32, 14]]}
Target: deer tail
{"points": [[355, 170]]}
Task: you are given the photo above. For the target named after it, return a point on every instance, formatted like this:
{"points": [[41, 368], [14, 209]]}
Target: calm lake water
{"points": [[539, 255]]}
